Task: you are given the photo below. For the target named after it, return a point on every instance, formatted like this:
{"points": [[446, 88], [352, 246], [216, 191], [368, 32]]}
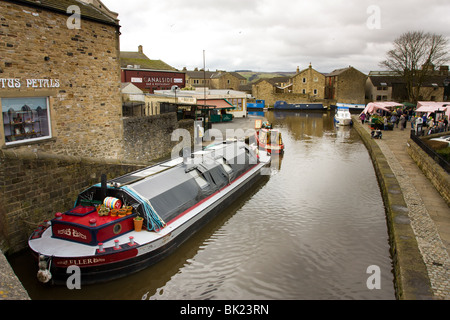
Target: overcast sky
{"points": [[274, 35]]}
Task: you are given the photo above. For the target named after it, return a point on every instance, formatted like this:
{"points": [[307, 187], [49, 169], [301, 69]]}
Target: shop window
{"points": [[25, 119]]}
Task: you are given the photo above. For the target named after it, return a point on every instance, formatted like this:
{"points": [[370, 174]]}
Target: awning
{"points": [[372, 107], [433, 106], [215, 104]]}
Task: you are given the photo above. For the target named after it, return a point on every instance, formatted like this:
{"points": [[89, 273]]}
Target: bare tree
{"points": [[414, 57]]}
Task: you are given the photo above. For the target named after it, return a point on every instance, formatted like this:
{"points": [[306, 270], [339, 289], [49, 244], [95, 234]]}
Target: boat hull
{"points": [[343, 121], [282, 105], [129, 259]]}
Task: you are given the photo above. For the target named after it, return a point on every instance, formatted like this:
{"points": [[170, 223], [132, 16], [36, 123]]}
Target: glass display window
{"points": [[25, 119]]}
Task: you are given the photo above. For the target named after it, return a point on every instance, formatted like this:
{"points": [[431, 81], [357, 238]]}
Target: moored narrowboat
{"points": [[173, 199]]}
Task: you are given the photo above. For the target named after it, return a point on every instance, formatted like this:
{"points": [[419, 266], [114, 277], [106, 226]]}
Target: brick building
{"points": [[60, 78]]}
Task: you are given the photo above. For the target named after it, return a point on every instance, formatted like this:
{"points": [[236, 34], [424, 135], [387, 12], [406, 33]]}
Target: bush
{"points": [[445, 153]]}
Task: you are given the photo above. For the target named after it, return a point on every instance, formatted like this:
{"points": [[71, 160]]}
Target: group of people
{"points": [[429, 125], [421, 124]]}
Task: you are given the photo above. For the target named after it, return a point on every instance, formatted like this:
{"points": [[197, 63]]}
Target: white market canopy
{"points": [[373, 107], [433, 106]]}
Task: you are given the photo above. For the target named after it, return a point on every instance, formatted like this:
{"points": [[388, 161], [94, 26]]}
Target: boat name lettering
{"points": [[72, 233], [80, 262]]}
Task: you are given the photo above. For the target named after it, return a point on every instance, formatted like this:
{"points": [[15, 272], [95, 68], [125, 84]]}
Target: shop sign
{"points": [[29, 83]]}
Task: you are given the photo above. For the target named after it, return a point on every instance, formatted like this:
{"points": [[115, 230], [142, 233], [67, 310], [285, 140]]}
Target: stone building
{"points": [[60, 78], [386, 86], [346, 85], [62, 125], [310, 83], [227, 80], [215, 80], [305, 86], [198, 79]]}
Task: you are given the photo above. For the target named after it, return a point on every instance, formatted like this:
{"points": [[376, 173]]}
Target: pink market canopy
{"points": [[373, 107], [433, 106]]}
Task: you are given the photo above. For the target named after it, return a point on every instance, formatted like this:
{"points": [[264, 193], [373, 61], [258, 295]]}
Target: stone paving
{"points": [[421, 199]]}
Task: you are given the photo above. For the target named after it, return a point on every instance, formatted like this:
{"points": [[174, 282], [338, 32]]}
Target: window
{"points": [[304, 80], [25, 119], [304, 91], [315, 91]]}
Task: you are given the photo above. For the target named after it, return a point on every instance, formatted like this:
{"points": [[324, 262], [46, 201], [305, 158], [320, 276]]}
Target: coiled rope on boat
{"points": [[154, 221]]}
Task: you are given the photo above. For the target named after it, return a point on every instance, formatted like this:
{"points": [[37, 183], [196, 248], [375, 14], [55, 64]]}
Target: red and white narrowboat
{"points": [[174, 199], [270, 140]]}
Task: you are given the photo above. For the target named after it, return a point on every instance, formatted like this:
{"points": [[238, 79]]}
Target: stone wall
{"points": [[36, 185], [86, 109], [411, 279], [434, 172], [148, 138]]}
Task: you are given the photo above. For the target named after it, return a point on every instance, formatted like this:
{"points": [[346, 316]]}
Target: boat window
{"points": [[202, 183], [225, 166]]}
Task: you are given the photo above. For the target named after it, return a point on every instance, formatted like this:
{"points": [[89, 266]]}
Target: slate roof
{"points": [[87, 11], [431, 81]]}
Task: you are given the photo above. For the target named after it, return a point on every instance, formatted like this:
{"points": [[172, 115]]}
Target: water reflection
{"points": [[310, 233]]}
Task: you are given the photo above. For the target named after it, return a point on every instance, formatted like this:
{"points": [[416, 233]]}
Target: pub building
{"points": [[60, 77], [149, 75]]}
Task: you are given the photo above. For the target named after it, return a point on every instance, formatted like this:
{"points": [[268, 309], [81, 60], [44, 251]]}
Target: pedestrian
{"points": [[402, 122], [393, 119], [419, 123], [362, 117]]}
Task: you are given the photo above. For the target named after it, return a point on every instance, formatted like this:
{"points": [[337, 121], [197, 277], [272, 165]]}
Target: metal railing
{"points": [[433, 154]]}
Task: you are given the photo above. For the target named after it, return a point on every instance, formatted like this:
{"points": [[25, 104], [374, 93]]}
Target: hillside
{"points": [[255, 76]]}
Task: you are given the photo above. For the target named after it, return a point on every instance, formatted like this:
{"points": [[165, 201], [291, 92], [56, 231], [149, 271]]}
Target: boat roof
{"points": [[174, 186]]}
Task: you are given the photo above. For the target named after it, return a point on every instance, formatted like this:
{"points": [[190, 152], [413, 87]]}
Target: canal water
{"points": [[314, 229]]}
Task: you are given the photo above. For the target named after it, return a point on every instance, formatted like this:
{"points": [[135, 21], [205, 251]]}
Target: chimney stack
{"points": [[140, 49]]}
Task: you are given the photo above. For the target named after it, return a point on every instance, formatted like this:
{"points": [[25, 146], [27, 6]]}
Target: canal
{"points": [[314, 229]]}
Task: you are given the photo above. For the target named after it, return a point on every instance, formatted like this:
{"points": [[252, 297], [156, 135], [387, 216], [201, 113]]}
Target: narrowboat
{"points": [[258, 105], [270, 140], [173, 199], [283, 105]]}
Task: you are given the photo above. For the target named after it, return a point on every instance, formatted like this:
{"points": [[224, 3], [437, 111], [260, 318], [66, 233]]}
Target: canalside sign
{"points": [[152, 80]]}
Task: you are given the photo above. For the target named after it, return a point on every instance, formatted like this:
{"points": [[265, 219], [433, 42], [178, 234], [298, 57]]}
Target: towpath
{"points": [[429, 213]]}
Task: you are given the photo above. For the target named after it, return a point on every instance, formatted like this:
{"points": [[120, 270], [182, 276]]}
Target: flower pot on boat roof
{"points": [[138, 221], [122, 213]]}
